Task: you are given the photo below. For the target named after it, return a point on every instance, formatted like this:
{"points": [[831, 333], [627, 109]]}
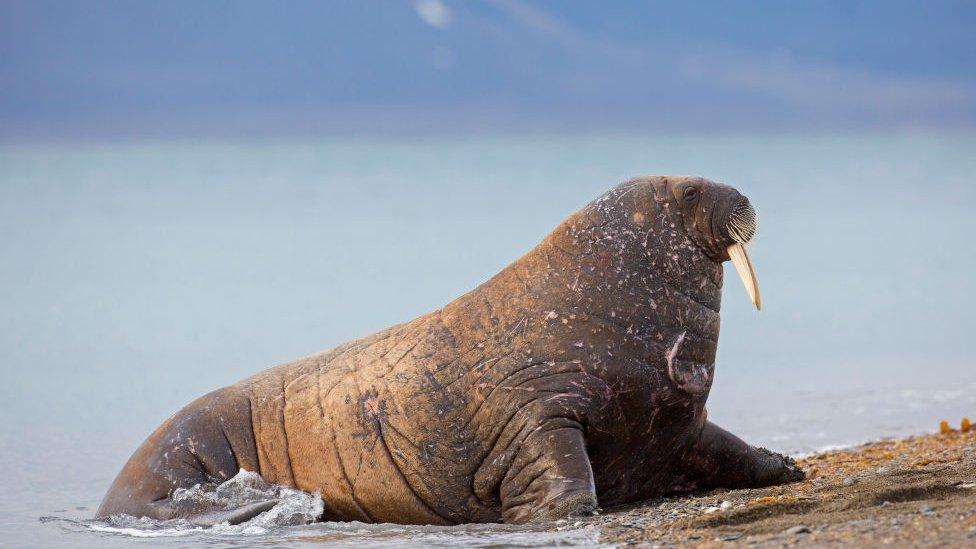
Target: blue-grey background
{"points": [[190, 193], [227, 68]]}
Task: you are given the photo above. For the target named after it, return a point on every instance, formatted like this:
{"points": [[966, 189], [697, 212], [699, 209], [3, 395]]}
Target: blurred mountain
{"points": [[78, 70]]}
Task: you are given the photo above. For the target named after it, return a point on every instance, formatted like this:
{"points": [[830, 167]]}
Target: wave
{"points": [[294, 518]]}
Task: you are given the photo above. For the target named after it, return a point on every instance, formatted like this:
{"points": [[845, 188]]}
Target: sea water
{"points": [[138, 276]]}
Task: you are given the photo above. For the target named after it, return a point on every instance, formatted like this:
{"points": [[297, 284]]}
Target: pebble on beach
{"points": [[916, 491]]}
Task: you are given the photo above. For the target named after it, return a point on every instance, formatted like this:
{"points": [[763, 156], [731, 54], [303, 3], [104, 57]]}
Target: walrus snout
{"points": [[721, 222], [741, 227]]}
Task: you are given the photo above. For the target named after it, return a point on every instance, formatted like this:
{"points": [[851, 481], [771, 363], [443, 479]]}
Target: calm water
{"points": [[137, 277]]}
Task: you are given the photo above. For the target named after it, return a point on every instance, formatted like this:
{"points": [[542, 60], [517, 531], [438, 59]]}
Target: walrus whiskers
{"points": [[743, 223]]}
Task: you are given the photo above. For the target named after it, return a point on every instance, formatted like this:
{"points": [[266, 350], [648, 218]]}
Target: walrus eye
{"points": [[691, 194]]}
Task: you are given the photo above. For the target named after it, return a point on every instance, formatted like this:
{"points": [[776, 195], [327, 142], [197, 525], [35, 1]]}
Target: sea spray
{"points": [[293, 507]]}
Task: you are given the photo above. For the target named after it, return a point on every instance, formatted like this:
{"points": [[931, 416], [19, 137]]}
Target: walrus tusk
{"points": [[737, 252]]}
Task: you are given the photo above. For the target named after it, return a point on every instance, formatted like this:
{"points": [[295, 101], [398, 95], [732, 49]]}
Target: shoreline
{"points": [[916, 490]]}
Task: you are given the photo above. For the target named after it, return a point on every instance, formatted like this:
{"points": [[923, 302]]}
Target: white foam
{"points": [[141, 533], [293, 508]]}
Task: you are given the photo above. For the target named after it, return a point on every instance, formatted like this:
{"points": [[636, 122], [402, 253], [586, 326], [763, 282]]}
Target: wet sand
{"points": [[919, 491]]}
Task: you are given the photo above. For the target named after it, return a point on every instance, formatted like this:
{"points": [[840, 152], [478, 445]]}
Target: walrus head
{"points": [[721, 222]]}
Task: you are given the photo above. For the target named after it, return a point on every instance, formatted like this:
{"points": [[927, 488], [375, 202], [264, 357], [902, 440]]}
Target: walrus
{"points": [[574, 379]]}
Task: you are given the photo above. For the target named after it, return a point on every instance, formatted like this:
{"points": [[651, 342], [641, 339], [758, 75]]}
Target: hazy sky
{"points": [[78, 70]]}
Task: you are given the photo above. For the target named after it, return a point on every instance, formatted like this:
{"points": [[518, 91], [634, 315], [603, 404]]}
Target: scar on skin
{"points": [[372, 406], [673, 351]]}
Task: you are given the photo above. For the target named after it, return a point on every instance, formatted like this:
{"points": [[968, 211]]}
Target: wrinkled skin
{"points": [[575, 377]]}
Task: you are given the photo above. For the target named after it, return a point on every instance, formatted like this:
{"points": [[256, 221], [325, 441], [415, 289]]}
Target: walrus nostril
{"points": [[742, 222]]}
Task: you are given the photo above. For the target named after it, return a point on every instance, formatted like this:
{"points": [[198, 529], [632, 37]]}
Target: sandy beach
{"points": [[918, 491]]}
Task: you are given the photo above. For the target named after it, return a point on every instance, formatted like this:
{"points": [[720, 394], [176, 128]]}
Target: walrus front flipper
{"points": [[722, 460], [550, 477], [200, 514]]}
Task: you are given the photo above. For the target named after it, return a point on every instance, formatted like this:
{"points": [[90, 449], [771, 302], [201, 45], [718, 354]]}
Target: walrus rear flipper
{"points": [[200, 514], [205, 444]]}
